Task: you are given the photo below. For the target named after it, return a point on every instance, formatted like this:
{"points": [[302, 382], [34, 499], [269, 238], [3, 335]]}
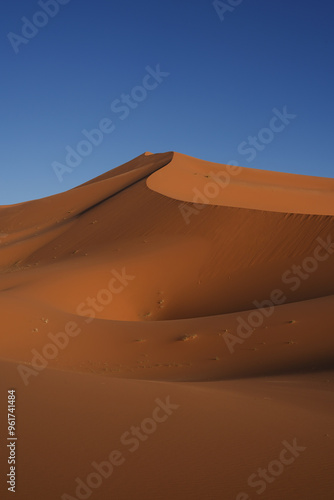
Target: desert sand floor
{"points": [[168, 329]]}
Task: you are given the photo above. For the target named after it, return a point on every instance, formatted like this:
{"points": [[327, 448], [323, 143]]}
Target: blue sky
{"points": [[225, 70]]}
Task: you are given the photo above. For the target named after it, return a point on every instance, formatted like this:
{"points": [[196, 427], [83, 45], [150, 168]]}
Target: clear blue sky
{"points": [[225, 78]]}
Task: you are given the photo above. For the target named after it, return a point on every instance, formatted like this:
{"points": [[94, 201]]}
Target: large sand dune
{"points": [[171, 279]]}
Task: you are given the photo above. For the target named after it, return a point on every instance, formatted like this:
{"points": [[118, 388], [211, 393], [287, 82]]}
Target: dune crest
{"points": [[198, 181]]}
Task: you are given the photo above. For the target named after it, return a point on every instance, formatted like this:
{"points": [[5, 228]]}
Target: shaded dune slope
{"points": [[193, 277]]}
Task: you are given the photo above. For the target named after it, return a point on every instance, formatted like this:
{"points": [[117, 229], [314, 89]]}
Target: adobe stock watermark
{"points": [[30, 28], [212, 188], [220, 180], [278, 123], [130, 440], [121, 107], [59, 341], [263, 477], [222, 8], [292, 277]]}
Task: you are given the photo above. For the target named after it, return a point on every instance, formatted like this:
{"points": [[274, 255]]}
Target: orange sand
{"points": [[147, 283]]}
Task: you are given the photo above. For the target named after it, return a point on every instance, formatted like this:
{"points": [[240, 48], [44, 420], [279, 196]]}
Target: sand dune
{"points": [[172, 277]]}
